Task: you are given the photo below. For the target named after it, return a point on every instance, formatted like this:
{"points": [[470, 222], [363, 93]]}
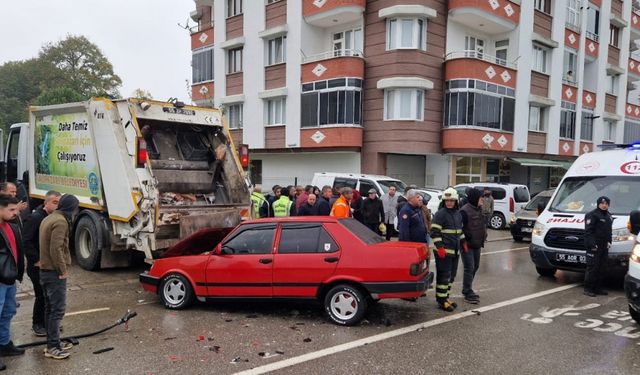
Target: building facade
{"points": [[433, 92]]}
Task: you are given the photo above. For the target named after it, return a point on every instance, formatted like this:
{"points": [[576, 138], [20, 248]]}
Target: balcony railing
{"points": [[332, 54], [636, 9], [470, 54], [197, 28], [593, 36]]}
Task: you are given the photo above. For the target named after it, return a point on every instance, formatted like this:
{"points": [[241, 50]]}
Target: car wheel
{"points": [[517, 238], [634, 314], [546, 272], [176, 292], [345, 304], [497, 221]]}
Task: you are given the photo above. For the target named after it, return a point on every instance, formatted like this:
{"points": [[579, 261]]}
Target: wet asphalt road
{"points": [[524, 324]]}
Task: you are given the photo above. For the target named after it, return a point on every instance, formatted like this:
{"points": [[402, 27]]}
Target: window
{"points": [[610, 131], [234, 7], [483, 104], [340, 182], [614, 36], [573, 13], [305, 238], [570, 65], [593, 22], [568, 120], [521, 194], [234, 116], [276, 50], [540, 54], [255, 171], [255, 239], [336, 101], [536, 118], [348, 43], [275, 111], [202, 65], [234, 61], [543, 5], [468, 169], [474, 47], [502, 46], [404, 104], [586, 126], [631, 131], [612, 85], [272, 1], [361, 231], [365, 185], [408, 33]]}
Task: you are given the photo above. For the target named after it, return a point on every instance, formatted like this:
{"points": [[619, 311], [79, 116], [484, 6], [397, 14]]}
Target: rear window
{"points": [[340, 182], [521, 194], [386, 184], [361, 231]]}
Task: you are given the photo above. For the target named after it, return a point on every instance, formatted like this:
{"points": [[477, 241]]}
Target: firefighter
{"points": [[597, 239], [446, 232], [260, 203]]}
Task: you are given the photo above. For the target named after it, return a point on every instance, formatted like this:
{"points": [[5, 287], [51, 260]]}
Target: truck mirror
{"points": [[634, 221]]}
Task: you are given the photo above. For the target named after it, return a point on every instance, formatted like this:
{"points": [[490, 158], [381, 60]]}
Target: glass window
{"points": [[586, 126], [468, 169], [202, 65], [255, 239], [567, 120], [569, 66], [386, 184], [508, 113], [614, 35], [407, 33], [365, 234], [339, 182], [539, 63], [234, 7], [521, 194], [573, 13], [474, 47], [365, 185], [610, 131], [338, 82], [276, 50], [502, 47], [309, 109], [275, 111], [305, 238], [575, 195], [593, 22], [612, 85], [631, 131], [234, 116], [542, 5], [535, 119], [404, 104], [234, 60]]}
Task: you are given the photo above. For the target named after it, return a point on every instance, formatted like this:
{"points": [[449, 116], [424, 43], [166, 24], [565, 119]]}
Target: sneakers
{"points": [[2, 366], [56, 353], [446, 306], [601, 292], [39, 331], [10, 350], [64, 346], [472, 298], [455, 305], [589, 293]]}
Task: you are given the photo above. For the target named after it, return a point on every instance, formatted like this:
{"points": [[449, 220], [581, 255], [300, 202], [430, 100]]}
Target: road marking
{"points": [[504, 251], [395, 333]]}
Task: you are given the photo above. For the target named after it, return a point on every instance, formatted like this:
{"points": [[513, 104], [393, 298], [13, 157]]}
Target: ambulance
{"points": [[558, 234]]}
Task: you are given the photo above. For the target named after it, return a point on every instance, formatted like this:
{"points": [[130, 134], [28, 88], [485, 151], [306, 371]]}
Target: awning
{"points": [[538, 163], [566, 164]]}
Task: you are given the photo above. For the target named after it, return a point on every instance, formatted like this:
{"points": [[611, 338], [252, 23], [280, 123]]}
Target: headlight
{"points": [[635, 253], [621, 235], [537, 229], [513, 220]]}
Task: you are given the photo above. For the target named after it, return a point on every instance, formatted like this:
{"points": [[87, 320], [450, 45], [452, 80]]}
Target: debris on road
{"points": [[308, 339], [215, 349], [170, 338], [238, 360], [252, 316], [100, 351]]}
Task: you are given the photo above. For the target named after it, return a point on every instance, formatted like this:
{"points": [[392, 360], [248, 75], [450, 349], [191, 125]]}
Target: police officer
{"points": [[259, 202], [446, 232], [410, 223], [284, 206], [598, 230]]}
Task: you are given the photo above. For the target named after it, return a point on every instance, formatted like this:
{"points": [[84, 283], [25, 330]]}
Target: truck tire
{"points": [[634, 314], [89, 240]]}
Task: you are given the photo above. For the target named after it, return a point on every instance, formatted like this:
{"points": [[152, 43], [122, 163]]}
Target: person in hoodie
{"points": [[373, 211], [475, 234], [55, 260]]}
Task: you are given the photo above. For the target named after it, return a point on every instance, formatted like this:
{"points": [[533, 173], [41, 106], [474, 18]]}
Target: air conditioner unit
{"points": [[196, 14]]}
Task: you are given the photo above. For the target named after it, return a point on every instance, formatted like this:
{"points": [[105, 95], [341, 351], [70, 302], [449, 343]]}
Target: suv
{"points": [[523, 221], [508, 199], [360, 182]]}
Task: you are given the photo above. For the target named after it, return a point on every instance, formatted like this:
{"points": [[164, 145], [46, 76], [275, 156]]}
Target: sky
{"points": [[141, 38]]}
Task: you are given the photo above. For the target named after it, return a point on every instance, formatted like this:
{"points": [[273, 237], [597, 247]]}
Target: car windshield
{"points": [[533, 204], [385, 184], [579, 194], [361, 231]]}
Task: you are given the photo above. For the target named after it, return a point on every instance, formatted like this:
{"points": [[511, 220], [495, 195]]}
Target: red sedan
{"points": [[339, 262]]}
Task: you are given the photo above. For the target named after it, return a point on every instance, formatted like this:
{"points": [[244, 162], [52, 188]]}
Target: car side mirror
{"points": [[226, 250]]}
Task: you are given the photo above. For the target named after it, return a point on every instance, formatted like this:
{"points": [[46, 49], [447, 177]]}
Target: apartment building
{"points": [[432, 92]]}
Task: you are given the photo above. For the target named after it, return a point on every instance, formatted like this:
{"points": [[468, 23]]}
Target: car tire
{"points": [[546, 272], [497, 221], [345, 304], [176, 292], [518, 238], [634, 314], [89, 240]]}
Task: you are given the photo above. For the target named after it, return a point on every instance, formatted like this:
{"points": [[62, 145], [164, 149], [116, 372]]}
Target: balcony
{"points": [[201, 36], [635, 23], [588, 99], [482, 140], [490, 17], [329, 13], [571, 39], [633, 111], [333, 64], [634, 70], [592, 46], [475, 65], [202, 92]]}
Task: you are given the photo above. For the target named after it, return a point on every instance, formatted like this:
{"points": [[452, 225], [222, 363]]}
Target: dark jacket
{"points": [[54, 243], [31, 235], [402, 201], [324, 207], [356, 205], [446, 230], [473, 226], [411, 225], [598, 228], [307, 210], [372, 211], [10, 270]]}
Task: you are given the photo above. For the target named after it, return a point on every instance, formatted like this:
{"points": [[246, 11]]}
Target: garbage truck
{"points": [[147, 173]]}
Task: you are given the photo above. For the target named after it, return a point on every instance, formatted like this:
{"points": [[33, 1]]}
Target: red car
{"points": [[339, 262]]}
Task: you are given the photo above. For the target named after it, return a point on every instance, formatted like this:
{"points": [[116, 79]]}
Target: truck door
{"points": [[12, 154]]}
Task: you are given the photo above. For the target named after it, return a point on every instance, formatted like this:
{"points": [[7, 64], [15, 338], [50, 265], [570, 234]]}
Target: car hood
{"points": [[201, 241], [527, 215]]}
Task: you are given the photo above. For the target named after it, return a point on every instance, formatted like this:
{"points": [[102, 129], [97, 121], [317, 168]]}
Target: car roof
{"points": [[491, 184], [356, 175], [294, 219]]}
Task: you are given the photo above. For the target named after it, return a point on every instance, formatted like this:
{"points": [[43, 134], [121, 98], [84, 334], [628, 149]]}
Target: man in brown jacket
{"points": [[55, 260]]}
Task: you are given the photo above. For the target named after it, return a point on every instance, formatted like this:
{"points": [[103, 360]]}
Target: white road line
{"points": [[504, 251], [395, 333]]}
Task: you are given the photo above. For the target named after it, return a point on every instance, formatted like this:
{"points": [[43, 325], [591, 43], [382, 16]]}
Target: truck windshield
{"points": [[579, 194], [385, 184]]}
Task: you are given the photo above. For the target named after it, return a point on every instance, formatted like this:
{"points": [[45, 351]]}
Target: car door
{"points": [[306, 256], [244, 265]]}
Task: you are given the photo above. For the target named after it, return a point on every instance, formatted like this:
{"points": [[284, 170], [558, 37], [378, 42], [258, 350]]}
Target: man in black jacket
{"points": [[598, 225], [324, 202], [11, 269], [309, 208], [475, 234], [372, 211], [32, 252]]}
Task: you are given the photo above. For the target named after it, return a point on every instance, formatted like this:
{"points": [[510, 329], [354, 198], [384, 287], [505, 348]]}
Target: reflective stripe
{"points": [[451, 231], [444, 295], [451, 251], [437, 239], [462, 237], [438, 226]]}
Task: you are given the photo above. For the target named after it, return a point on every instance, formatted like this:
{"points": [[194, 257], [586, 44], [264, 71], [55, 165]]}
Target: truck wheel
{"points": [[497, 221], [546, 272], [89, 241], [176, 292], [518, 238], [345, 304], [634, 314]]}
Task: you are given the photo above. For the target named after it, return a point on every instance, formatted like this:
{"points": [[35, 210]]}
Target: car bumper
{"points": [[149, 283], [632, 290], [400, 289], [543, 257], [518, 230]]}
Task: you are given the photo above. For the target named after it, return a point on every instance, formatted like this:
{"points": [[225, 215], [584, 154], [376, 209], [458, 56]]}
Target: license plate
{"points": [[571, 258], [527, 230]]}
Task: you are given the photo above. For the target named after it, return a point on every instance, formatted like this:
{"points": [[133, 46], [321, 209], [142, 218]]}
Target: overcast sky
{"points": [[141, 38]]}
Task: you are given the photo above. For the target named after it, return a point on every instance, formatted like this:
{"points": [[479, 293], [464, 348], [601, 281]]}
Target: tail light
{"points": [[244, 156], [143, 156], [418, 268], [512, 205]]}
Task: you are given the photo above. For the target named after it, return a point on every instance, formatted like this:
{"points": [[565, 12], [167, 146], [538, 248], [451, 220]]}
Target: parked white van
{"points": [[507, 200], [360, 182], [558, 236]]}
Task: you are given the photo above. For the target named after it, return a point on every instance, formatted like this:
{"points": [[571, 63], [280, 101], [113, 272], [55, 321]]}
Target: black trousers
{"points": [[38, 306], [446, 270], [471, 262], [374, 227], [596, 267], [55, 291], [391, 231]]}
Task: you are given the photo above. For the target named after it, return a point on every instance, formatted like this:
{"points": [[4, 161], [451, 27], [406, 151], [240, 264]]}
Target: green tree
{"points": [[141, 94], [59, 95], [85, 68]]}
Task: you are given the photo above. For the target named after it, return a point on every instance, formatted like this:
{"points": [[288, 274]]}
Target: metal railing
{"points": [[593, 36], [570, 81], [470, 54], [635, 9], [198, 28], [332, 54]]}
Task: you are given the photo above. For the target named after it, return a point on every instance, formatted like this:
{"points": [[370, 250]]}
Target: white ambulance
{"points": [[558, 235]]}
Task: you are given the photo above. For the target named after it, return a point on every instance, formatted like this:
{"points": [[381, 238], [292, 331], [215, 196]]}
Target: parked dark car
{"points": [[523, 221]]}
